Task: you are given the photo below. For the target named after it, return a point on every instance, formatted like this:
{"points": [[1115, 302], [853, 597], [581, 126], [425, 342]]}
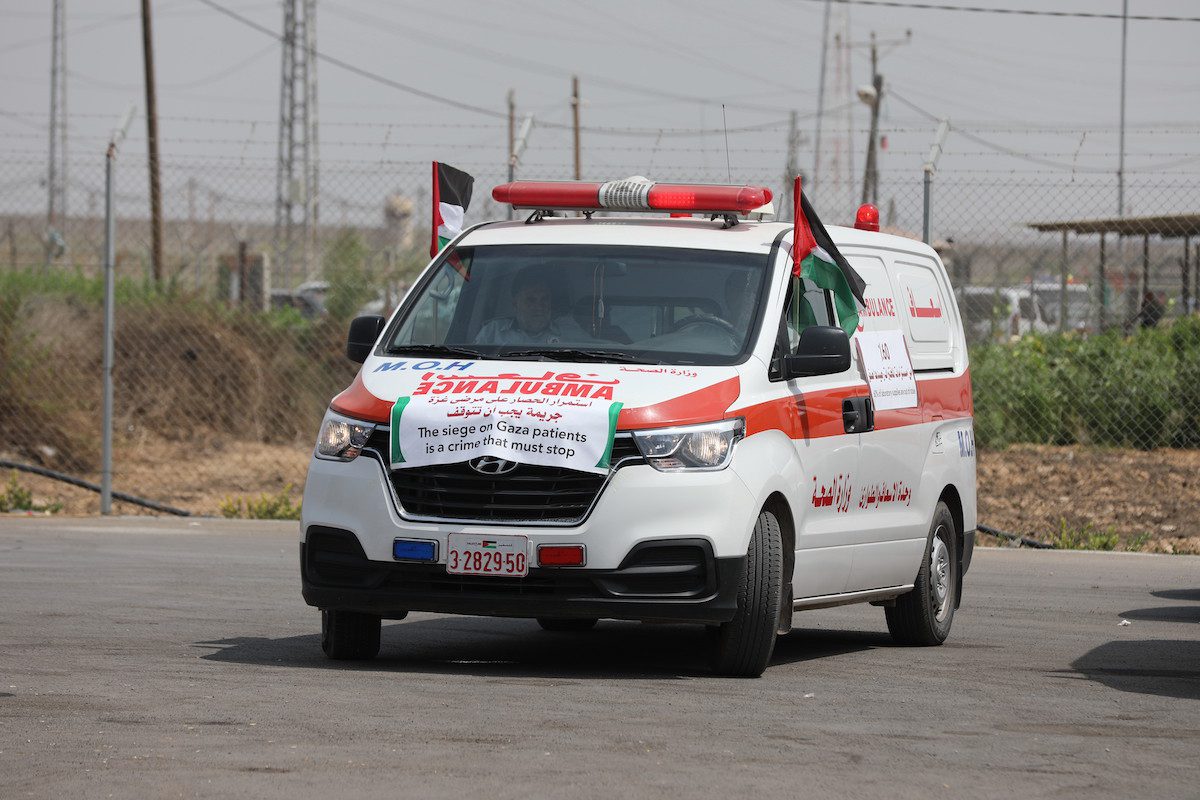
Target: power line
{"points": [[337, 62], [1008, 151], [495, 114], [1025, 12]]}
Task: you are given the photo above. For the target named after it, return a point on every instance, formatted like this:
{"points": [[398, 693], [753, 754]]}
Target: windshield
{"points": [[587, 302]]}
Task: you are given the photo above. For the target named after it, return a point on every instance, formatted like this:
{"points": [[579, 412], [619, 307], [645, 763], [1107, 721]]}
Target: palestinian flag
{"points": [[451, 196], [816, 259]]}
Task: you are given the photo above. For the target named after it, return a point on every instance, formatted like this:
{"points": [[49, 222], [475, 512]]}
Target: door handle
{"points": [[858, 414]]}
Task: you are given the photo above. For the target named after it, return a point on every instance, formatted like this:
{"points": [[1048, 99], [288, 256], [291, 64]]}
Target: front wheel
{"points": [[923, 616], [349, 635], [743, 646]]}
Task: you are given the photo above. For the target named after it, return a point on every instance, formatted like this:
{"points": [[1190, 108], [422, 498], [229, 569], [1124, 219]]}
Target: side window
{"points": [[807, 306], [430, 321], [804, 306]]}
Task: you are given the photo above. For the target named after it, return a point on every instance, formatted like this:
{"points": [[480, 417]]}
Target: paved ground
{"points": [[151, 658]]}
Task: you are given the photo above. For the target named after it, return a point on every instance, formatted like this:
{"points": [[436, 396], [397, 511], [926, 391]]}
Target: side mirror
{"points": [[363, 333], [823, 350]]}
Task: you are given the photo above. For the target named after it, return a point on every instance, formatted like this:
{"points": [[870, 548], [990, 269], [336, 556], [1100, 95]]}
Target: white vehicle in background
{"points": [[997, 313], [1079, 304], [754, 460]]}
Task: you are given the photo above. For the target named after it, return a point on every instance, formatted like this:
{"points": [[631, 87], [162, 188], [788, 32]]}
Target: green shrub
{"points": [[1139, 391], [16, 497], [265, 506], [1085, 538]]}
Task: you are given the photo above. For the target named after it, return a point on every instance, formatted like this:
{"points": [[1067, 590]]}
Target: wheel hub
{"points": [[939, 574]]}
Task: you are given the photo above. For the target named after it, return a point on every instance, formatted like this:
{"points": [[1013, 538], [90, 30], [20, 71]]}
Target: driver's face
{"points": [[533, 308]]}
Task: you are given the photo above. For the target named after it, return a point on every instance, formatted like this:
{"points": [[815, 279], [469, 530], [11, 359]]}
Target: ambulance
{"points": [[633, 405]]}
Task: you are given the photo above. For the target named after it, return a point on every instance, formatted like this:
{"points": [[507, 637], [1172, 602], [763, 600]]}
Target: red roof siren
{"points": [[867, 218]]}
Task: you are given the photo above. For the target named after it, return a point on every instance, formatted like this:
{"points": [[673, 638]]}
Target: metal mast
{"points": [[297, 191], [56, 167]]}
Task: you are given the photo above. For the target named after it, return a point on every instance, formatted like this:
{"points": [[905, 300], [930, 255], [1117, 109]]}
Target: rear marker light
{"points": [[414, 550], [554, 555]]}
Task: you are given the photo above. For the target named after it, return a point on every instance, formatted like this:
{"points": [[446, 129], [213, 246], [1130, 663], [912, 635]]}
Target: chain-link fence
{"points": [[1080, 334]]}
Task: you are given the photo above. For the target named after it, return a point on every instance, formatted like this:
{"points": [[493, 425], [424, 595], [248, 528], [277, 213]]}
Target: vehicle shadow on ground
{"points": [[1178, 594], [509, 647], [1165, 614], [1165, 667]]}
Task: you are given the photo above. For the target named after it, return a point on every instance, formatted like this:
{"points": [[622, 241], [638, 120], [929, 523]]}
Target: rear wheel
{"points": [[349, 635], [923, 616], [551, 624], [743, 646]]}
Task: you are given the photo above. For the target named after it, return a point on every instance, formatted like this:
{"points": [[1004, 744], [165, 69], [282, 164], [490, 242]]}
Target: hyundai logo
{"points": [[491, 465]]}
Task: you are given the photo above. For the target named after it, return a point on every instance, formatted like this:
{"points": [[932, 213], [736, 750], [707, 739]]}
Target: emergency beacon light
{"points": [[632, 194], [867, 218]]}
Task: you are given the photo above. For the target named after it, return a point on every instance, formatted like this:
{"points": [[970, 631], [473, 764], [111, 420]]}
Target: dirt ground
{"points": [[1149, 499], [193, 478], [1150, 495]]}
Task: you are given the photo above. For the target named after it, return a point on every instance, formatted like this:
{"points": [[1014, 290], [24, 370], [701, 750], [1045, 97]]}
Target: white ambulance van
{"points": [[579, 417]]}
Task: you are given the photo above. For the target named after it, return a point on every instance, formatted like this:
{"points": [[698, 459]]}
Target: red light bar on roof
{"points": [[632, 194]]}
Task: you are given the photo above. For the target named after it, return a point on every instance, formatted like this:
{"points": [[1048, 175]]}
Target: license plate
{"points": [[471, 554]]}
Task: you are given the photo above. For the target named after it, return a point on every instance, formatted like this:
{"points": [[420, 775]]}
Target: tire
{"points": [[577, 625], [743, 646], [349, 635], [923, 617]]}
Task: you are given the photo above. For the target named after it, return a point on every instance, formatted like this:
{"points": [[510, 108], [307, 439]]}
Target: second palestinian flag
{"points": [[816, 258], [451, 197]]}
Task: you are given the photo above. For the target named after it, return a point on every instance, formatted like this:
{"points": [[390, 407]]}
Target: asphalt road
{"points": [[172, 658]]}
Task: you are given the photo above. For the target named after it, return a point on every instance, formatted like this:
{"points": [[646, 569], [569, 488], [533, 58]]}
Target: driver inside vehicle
{"points": [[533, 321], [738, 298]]}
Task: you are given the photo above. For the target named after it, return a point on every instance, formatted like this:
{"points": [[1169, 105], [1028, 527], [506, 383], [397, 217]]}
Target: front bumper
{"points": [[676, 580]]}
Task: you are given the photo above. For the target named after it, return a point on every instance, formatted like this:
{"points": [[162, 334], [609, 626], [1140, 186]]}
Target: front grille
{"points": [[530, 493]]}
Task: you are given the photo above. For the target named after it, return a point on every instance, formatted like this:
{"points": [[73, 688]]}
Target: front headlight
{"points": [[342, 439], [694, 447]]}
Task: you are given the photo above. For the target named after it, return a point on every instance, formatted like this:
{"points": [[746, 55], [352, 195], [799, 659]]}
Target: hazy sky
{"points": [[648, 64]]}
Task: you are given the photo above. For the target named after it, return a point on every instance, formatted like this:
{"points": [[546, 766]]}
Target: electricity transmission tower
{"points": [[297, 193], [56, 165]]}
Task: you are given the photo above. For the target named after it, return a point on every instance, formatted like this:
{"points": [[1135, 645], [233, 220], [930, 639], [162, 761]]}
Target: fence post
{"points": [[110, 258], [1185, 301], [1062, 287], [935, 152], [1102, 280], [925, 225]]}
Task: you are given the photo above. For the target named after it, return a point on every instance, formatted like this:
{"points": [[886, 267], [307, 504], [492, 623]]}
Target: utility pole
{"points": [[152, 144], [575, 123], [870, 192], [512, 141], [790, 167], [297, 191], [1121, 145], [816, 173], [56, 172], [872, 95]]}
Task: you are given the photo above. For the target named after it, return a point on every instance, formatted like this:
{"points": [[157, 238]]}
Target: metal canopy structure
{"points": [[1166, 226]]}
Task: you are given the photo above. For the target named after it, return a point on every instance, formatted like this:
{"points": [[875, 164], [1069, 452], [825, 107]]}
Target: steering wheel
{"points": [[707, 319]]}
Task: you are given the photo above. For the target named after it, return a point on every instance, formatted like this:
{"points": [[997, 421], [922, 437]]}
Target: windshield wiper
{"points": [[559, 354], [435, 350]]}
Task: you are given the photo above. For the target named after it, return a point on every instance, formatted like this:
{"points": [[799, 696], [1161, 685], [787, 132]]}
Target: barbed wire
{"points": [[1025, 12]]}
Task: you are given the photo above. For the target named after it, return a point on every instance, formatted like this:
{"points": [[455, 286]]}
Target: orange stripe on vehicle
{"points": [[813, 415], [702, 405], [359, 403]]}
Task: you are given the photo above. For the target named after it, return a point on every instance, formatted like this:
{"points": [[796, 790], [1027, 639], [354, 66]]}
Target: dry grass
{"points": [[1150, 497], [176, 474]]}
